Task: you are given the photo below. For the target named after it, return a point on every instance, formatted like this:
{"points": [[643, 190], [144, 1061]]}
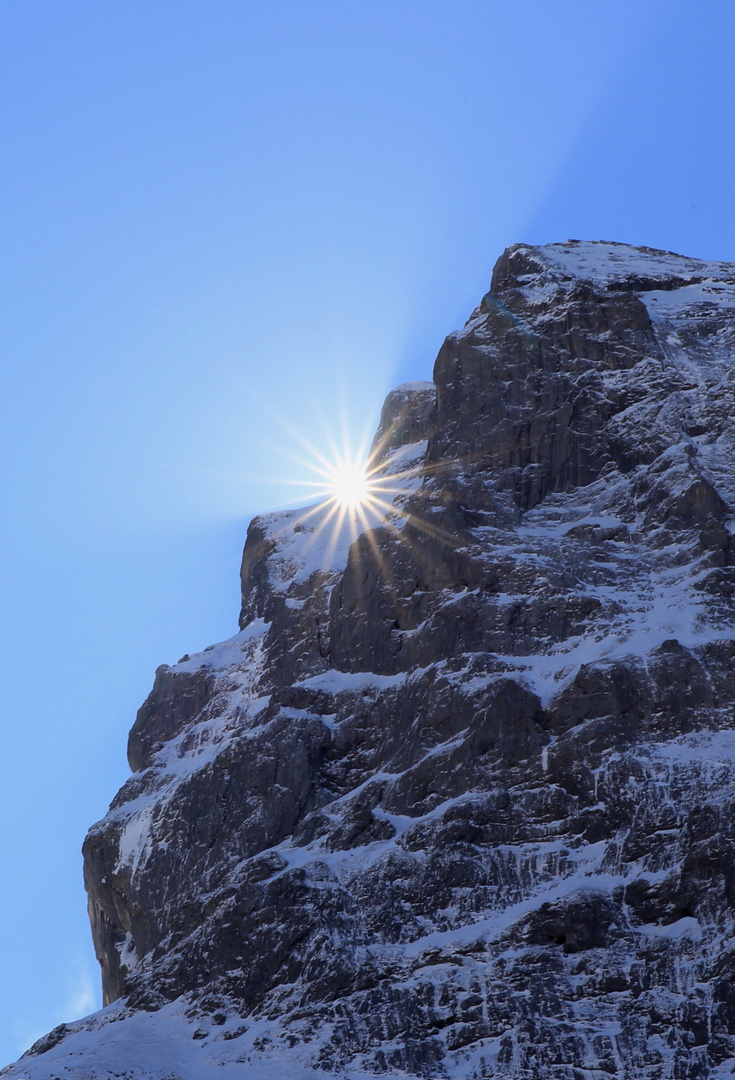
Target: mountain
{"points": [[458, 800]]}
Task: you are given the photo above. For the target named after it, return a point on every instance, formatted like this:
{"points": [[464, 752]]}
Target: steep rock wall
{"points": [[458, 799]]}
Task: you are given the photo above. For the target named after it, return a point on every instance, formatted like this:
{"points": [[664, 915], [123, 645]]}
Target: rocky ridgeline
{"points": [[459, 798]]}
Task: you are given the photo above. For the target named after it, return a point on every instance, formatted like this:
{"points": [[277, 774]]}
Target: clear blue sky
{"points": [[228, 226]]}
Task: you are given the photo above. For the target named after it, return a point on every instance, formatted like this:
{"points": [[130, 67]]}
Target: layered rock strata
{"points": [[459, 798]]}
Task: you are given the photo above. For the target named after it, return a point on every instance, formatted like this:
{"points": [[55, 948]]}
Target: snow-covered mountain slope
{"points": [[459, 798]]}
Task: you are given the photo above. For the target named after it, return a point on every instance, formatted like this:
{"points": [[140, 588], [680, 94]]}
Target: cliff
{"points": [[459, 798]]}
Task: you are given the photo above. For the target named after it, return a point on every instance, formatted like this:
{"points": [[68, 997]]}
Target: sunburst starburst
{"points": [[350, 484], [356, 490]]}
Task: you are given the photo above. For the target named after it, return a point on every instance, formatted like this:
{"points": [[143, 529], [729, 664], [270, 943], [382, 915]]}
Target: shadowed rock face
{"points": [[459, 798]]}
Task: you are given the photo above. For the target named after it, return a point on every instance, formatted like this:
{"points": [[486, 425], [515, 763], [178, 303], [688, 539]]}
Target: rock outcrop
{"points": [[459, 798]]}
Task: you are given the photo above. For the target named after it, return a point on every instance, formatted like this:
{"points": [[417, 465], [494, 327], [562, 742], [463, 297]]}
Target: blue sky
{"points": [[228, 228]]}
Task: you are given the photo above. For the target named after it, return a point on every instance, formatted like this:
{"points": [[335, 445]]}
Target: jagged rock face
{"points": [[459, 798]]}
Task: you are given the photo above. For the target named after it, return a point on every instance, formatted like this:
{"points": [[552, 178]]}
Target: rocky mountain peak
{"points": [[458, 798]]}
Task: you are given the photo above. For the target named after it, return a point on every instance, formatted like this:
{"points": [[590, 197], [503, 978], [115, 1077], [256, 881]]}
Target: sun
{"points": [[357, 494], [349, 485], [354, 489]]}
